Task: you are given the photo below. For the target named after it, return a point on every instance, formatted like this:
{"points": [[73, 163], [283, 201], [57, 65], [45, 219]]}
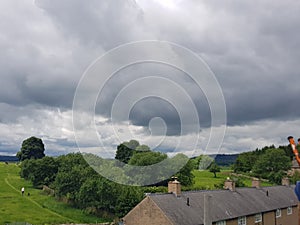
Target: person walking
{"points": [[22, 190]]}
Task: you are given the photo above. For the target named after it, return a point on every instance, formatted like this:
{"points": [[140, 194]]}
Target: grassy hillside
{"points": [[36, 208]]}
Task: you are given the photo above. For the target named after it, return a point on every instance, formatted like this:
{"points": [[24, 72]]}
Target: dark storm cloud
{"points": [[149, 107], [32, 66], [256, 61], [142, 113], [41, 62], [252, 47]]}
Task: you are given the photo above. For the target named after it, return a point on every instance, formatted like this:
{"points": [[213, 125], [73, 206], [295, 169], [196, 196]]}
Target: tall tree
{"points": [[126, 150], [185, 175], [128, 197], [98, 192], [214, 168], [245, 161], [32, 148], [204, 162]]}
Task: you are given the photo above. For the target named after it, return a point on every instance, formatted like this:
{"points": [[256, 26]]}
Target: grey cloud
{"points": [[246, 46], [38, 65], [150, 107], [252, 47], [108, 23]]}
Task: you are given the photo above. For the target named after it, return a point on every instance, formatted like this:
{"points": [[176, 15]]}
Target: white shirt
{"points": [[294, 149]]}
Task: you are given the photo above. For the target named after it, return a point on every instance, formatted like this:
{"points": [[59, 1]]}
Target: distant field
{"points": [[36, 208], [205, 179]]}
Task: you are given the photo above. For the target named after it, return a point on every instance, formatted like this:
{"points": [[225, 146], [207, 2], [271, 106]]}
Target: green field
{"points": [[205, 179], [37, 208]]}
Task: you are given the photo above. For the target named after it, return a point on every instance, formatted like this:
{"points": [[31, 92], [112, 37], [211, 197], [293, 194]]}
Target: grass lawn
{"points": [[205, 179], [36, 208]]}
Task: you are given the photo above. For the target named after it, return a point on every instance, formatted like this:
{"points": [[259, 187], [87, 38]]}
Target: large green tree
{"points": [[72, 173], [204, 162], [126, 150], [245, 161], [142, 172], [146, 158], [128, 197], [32, 148], [41, 171], [272, 165], [104, 195], [214, 168], [185, 174], [98, 192]]}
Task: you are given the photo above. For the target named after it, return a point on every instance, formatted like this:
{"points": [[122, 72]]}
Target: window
{"points": [[289, 210], [242, 220], [258, 218], [278, 213], [221, 222]]}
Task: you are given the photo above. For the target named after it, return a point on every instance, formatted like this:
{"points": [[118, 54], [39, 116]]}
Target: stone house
{"points": [[276, 205]]}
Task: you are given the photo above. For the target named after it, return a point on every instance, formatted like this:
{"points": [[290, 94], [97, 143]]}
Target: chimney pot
{"points": [[256, 183], [285, 181], [174, 187], [229, 184]]}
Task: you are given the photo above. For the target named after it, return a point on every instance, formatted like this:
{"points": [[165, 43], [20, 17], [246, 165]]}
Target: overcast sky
{"points": [[252, 48]]}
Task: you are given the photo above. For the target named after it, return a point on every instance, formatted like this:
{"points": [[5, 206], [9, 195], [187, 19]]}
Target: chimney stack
{"points": [[207, 209], [174, 187], [256, 183], [285, 181], [229, 184]]}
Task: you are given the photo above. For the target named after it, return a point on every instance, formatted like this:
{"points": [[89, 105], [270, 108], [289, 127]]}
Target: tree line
{"points": [[76, 182], [269, 163]]}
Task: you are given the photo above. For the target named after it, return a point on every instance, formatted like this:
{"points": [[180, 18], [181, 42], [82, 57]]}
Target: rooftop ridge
{"points": [[223, 190]]}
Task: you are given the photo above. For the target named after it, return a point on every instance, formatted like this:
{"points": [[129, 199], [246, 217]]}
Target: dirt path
{"points": [[34, 202], [246, 176]]}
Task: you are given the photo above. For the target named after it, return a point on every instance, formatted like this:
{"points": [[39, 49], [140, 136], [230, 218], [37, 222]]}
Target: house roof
{"points": [[225, 204]]}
